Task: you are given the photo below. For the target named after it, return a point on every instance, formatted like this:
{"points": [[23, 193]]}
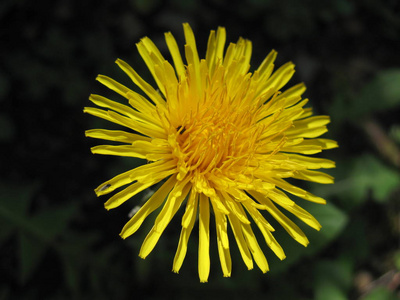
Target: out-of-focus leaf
{"points": [[145, 6], [396, 259], [395, 133], [370, 174], [17, 198], [6, 230], [14, 203], [75, 257], [53, 221], [381, 293], [382, 93], [102, 262], [72, 271], [344, 7], [329, 291], [35, 233], [31, 251], [332, 279], [44, 225], [7, 126]]}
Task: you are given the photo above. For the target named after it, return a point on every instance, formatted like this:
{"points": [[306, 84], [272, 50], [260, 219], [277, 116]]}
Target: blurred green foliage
{"points": [[56, 239]]}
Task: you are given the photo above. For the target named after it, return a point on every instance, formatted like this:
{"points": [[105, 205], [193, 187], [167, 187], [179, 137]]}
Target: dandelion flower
{"points": [[220, 141]]}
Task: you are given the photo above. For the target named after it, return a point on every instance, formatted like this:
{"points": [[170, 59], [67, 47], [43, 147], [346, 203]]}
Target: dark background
{"points": [[56, 239]]}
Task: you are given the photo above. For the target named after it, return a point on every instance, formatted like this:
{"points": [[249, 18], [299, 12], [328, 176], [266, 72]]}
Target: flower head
{"points": [[223, 139]]}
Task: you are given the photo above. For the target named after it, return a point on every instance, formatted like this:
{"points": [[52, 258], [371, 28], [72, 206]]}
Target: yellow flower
{"points": [[224, 139]]}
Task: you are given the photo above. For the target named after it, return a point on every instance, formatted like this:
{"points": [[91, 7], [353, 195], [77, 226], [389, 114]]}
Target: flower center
{"points": [[218, 140]]}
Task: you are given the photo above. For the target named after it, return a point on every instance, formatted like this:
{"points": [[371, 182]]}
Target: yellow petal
{"points": [[188, 221], [191, 209], [151, 205], [164, 217], [266, 67], [234, 208], [215, 49], [297, 191], [176, 56], [283, 201], [265, 229], [114, 183], [145, 48], [102, 114], [113, 85], [293, 94], [221, 225], [115, 135], [204, 238], [314, 176], [312, 162], [126, 150], [143, 85], [255, 249], [126, 194], [294, 231], [242, 245], [172, 205], [224, 256], [192, 57]]}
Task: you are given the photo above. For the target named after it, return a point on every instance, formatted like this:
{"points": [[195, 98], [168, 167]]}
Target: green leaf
{"points": [[394, 133], [72, 271], [396, 258], [53, 221], [75, 255], [145, 6], [7, 126], [333, 279], [16, 198], [382, 93], [6, 230], [329, 291], [381, 293], [13, 213], [370, 174], [31, 251]]}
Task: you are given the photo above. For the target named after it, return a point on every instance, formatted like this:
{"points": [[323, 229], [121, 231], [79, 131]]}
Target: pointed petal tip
{"points": [[142, 256]]}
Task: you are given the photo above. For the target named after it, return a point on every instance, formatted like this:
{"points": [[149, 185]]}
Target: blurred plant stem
{"points": [[386, 147]]}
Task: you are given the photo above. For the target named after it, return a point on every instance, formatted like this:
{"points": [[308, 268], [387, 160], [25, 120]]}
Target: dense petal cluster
{"points": [[220, 139]]}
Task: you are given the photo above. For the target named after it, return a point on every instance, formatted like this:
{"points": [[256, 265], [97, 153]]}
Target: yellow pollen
{"points": [[216, 140]]}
